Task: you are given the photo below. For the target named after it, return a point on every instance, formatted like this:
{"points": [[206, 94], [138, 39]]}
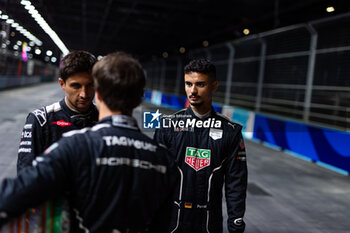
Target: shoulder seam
{"points": [[55, 107], [182, 110], [226, 118], [77, 131], [84, 130]]}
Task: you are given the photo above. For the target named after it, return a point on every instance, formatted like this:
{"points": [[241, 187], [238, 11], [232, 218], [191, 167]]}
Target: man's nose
{"points": [[193, 89], [83, 92]]}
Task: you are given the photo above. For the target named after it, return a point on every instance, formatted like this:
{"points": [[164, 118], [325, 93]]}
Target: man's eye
{"points": [[188, 84], [200, 84], [75, 86]]}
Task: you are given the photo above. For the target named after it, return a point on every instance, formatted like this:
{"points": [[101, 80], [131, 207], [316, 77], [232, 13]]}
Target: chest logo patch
{"points": [[62, 123], [215, 133], [197, 158]]}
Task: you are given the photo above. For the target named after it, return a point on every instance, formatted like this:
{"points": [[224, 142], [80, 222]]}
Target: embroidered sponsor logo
{"points": [[131, 162], [238, 221], [241, 152], [51, 148], [62, 123], [26, 143], [25, 150], [197, 158], [40, 115], [125, 141], [241, 144], [27, 126], [241, 158], [215, 133], [26, 134]]}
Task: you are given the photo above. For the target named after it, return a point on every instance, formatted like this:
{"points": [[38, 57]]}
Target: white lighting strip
{"points": [[22, 30], [40, 20]]}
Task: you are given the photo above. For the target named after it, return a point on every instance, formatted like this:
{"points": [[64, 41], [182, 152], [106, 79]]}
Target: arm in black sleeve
{"points": [[236, 186], [159, 137], [31, 143], [36, 184], [161, 221]]}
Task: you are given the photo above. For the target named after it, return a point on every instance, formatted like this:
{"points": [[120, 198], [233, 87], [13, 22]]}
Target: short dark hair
{"points": [[119, 79], [202, 66], [76, 62]]}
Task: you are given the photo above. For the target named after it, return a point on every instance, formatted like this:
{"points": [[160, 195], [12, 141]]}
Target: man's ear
{"points": [[215, 85], [62, 83], [97, 96]]}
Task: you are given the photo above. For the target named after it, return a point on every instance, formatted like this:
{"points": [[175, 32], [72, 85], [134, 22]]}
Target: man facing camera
{"points": [[209, 150], [46, 125]]}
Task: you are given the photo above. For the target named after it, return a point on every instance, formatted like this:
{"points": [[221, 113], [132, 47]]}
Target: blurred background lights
{"points": [[330, 9], [165, 54], [182, 50], [246, 31], [19, 28], [9, 21], [49, 53], [43, 24], [37, 51], [205, 43]]}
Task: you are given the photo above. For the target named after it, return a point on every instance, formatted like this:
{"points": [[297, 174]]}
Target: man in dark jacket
{"points": [[117, 179], [46, 125], [209, 150]]}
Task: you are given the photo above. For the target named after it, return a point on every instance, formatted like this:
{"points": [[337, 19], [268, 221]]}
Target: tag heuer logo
{"points": [[197, 158]]}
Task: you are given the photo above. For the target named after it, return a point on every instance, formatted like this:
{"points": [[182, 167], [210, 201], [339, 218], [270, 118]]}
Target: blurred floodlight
{"points": [[246, 31], [49, 53], [9, 21], [25, 2], [330, 9], [37, 51], [40, 20]]}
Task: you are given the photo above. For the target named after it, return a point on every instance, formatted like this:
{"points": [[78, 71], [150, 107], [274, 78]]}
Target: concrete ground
{"points": [[285, 194]]}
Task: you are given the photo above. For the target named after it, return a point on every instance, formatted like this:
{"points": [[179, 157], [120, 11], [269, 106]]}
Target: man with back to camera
{"points": [[118, 179], [209, 150], [46, 125]]}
